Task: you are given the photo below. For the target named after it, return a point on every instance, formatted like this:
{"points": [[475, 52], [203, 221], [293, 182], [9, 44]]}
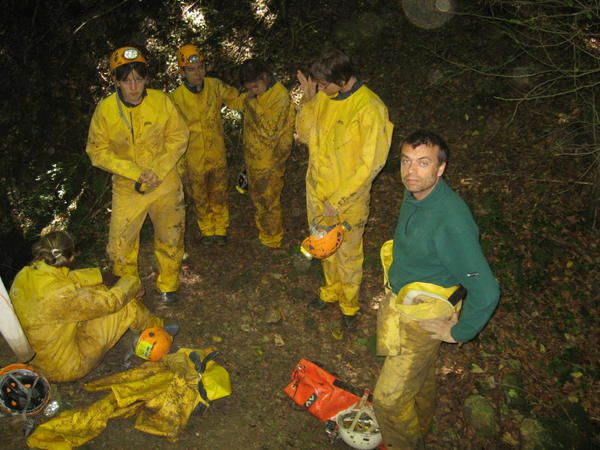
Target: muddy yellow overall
{"points": [[348, 142], [404, 396], [268, 136], [205, 164], [71, 319], [126, 141]]}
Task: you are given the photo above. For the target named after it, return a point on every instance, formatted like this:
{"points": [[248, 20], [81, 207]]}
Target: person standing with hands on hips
{"points": [[434, 259], [348, 133], [138, 136]]}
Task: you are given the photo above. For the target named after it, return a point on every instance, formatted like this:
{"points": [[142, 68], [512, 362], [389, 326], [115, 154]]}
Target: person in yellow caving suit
{"points": [[348, 132], [200, 99], [138, 135], [268, 134], [70, 317]]}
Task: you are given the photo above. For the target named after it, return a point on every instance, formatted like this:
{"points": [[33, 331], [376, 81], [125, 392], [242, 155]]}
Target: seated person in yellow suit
{"points": [[200, 100], [269, 116], [70, 317], [348, 132], [435, 250]]}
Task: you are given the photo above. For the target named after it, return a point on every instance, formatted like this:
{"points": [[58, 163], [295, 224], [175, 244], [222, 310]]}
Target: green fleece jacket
{"points": [[437, 241]]}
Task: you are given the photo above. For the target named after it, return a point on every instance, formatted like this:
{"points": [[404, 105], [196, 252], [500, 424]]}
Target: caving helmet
{"points": [[188, 54], [360, 432], [153, 344], [324, 241], [23, 390], [125, 55], [242, 182]]}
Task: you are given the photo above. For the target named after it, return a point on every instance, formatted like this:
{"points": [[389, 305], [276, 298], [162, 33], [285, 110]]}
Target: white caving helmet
{"points": [[358, 427]]}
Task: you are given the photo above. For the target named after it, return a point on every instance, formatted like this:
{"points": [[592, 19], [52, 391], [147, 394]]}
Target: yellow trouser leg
{"points": [[96, 337], [404, 396], [344, 269], [265, 191], [404, 403], [168, 219], [217, 199], [129, 211], [198, 187]]}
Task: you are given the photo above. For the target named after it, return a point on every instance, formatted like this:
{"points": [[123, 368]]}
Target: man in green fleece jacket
{"points": [[435, 250]]}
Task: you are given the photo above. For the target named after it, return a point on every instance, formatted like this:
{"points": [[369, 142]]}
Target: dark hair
{"points": [[123, 71], [333, 66], [431, 139], [55, 249], [253, 70]]}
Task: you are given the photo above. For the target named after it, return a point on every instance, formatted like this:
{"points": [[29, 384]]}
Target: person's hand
{"points": [[329, 210], [308, 86], [150, 179], [109, 279], [440, 328], [140, 293]]}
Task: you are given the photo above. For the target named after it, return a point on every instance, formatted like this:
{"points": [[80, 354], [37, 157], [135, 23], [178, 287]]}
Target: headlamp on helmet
{"points": [[125, 55], [324, 240], [153, 344], [188, 55]]}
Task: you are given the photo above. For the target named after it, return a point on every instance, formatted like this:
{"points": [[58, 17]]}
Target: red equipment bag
{"points": [[321, 393]]}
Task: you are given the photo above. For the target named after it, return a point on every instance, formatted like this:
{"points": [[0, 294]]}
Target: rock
{"points": [[273, 316], [533, 436], [481, 416], [514, 392]]}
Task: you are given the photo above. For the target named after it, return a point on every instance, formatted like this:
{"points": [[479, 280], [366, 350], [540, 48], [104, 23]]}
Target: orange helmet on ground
{"points": [[188, 54], [325, 242], [23, 390], [125, 55], [153, 344]]}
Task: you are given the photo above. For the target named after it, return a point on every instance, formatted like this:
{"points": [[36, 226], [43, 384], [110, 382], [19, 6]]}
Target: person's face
{"points": [[420, 169], [328, 88], [194, 73], [132, 87], [256, 88]]}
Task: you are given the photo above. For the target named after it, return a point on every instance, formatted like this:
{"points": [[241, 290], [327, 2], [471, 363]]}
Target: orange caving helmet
{"points": [[23, 390], [125, 55], [188, 54], [153, 344], [325, 243]]}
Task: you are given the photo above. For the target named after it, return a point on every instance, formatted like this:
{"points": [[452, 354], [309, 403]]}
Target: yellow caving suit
{"points": [[125, 141], [71, 319], [162, 394], [205, 164], [404, 396], [348, 142], [268, 136]]}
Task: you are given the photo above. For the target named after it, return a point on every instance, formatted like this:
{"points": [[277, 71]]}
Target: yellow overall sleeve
{"points": [[175, 141], [100, 152]]}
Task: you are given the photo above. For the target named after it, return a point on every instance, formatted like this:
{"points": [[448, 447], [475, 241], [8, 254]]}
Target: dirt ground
{"points": [[250, 302]]}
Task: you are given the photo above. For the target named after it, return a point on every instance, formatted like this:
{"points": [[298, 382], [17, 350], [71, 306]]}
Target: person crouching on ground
{"points": [[138, 135], [269, 118], [200, 99], [348, 133], [70, 317], [435, 255]]}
